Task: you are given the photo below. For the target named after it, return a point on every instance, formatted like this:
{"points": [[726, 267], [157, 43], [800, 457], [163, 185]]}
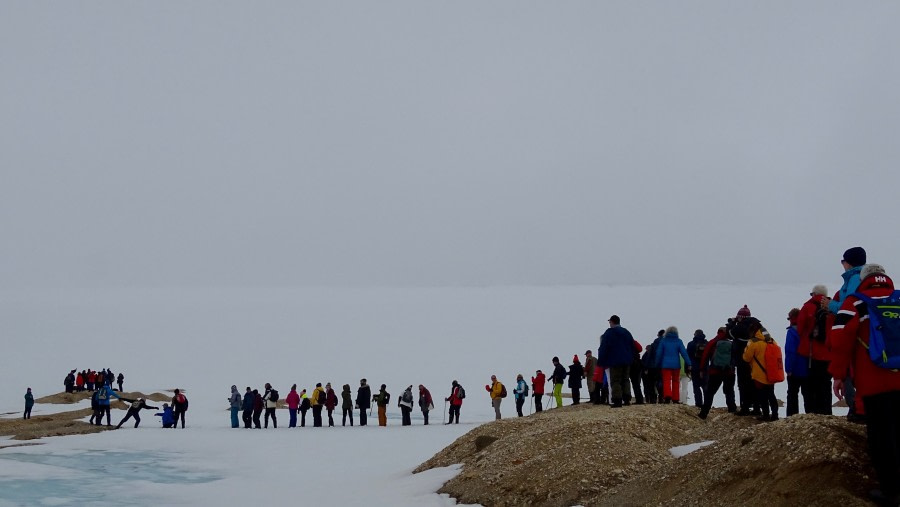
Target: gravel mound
{"points": [[589, 455]]}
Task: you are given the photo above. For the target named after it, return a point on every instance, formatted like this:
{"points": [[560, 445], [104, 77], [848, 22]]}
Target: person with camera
{"points": [[382, 399]]}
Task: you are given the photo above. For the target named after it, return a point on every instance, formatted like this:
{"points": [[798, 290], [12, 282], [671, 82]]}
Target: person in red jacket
{"points": [[455, 400], [814, 347], [878, 387], [717, 370], [293, 403], [537, 390]]}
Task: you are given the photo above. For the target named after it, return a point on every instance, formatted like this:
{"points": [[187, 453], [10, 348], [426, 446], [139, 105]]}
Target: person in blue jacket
{"points": [[520, 392], [668, 351], [103, 399], [168, 416], [616, 354], [853, 261], [796, 367]]}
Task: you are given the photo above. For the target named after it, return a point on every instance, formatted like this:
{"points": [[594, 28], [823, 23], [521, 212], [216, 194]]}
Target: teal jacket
{"points": [[851, 283]]}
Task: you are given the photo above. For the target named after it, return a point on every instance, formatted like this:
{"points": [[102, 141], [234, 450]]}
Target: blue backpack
{"points": [[884, 329]]}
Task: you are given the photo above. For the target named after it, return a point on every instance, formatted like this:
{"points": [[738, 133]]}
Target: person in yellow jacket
{"points": [[755, 355], [496, 391], [317, 401]]}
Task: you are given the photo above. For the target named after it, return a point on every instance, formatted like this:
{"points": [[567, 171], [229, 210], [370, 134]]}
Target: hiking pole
{"points": [[530, 403], [445, 411]]}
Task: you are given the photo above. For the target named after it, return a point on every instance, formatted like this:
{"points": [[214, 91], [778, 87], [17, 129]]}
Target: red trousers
{"points": [[670, 382]]}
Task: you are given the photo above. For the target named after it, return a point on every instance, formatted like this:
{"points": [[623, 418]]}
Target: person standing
{"points": [[669, 353], [69, 382], [717, 369], [755, 355], [247, 407], [616, 353], [456, 399], [406, 404], [317, 401], [292, 400], [363, 397], [29, 402], [853, 261], [179, 407], [258, 406], [496, 390], [796, 367], [120, 380], [559, 375], [304, 407], [331, 401], [878, 387], [537, 387], [520, 392], [740, 336], [346, 405], [271, 400], [426, 403], [695, 351], [134, 411], [381, 400], [635, 370], [812, 331], [103, 398], [589, 363], [235, 404], [576, 372], [79, 382]]}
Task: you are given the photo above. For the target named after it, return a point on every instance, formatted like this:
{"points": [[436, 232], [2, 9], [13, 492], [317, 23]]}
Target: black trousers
{"points": [[698, 383], [178, 414], [405, 412], [634, 373], [796, 386], [713, 382], [362, 417], [128, 415], [270, 412], [98, 416], [247, 417], [256, 422], [520, 402], [348, 412], [317, 416], [746, 387], [454, 409], [538, 402], [425, 416], [27, 414], [765, 398], [818, 388], [576, 396], [883, 435], [650, 377]]}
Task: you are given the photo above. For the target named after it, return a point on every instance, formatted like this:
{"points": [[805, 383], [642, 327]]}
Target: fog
{"points": [[445, 143]]}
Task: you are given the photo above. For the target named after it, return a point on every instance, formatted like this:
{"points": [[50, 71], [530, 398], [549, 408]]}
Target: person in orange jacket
{"points": [[755, 355]]}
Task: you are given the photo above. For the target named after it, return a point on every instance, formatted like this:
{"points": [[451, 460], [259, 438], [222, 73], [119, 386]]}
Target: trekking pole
{"points": [[530, 403], [445, 411]]}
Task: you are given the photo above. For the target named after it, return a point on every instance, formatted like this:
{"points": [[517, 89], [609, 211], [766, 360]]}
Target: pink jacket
{"points": [[292, 400]]}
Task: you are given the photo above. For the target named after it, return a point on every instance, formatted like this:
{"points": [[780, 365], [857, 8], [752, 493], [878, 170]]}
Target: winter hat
{"points": [[743, 312], [871, 269], [699, 334], [555, 359], [855, 256], [819, 290], [575, 359], [672, 330]]}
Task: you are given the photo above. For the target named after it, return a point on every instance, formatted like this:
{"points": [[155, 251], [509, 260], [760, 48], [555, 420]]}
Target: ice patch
{"points": [[682, 450]]}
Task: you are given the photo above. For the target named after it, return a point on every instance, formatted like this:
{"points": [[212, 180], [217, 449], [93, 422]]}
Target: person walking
{"points": [[521, 392], [717, 369], [346, 405], [179, 407], [381, 400], [271, 400], [331, 401], [559, 375], [616, 353], [363, 397], [457, 393], [247, 407], [235, 405], [292, 400], [406, 404], [29, 402], [537, 387], [695, 351], [669, 353], [497, 392], [426, 403], [317, 400], [136, 407], [576, 372]]}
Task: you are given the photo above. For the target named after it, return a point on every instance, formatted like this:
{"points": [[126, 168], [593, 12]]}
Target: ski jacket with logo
{"points": [[851, 337]]}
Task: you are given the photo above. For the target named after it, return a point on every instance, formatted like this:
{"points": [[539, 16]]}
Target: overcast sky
{"points": [[431, 143]]}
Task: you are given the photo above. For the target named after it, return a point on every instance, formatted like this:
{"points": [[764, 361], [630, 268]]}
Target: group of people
{"points": [[254, 404], [91, 380]]}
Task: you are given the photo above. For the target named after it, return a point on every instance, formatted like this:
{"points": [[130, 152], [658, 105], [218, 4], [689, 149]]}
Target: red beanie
{"points": [[575, 359]]}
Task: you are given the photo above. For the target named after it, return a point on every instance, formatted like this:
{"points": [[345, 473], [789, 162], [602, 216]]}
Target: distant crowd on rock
{"points": [[91, 380]]}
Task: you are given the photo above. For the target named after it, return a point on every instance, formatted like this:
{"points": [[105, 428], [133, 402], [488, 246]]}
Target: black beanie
{"points": [[855, 256]]}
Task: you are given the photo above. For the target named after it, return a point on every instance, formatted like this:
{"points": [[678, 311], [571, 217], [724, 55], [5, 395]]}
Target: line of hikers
{"points": [[90, 380], [254, 404]]}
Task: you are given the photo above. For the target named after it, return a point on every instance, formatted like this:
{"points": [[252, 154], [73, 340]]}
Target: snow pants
{"points": [[818, 388], [348, 412], [557, 393], [234, 417], [382, 415], [620, 385], [671, 378]]}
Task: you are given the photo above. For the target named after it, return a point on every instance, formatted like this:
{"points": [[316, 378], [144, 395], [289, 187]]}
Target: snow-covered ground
{"points": [[206, 340]]}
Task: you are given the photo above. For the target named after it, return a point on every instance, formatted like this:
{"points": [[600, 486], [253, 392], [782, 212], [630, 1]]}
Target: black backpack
{"points": [[699, 347], [820, 327], [462, 393], [273, 395]]}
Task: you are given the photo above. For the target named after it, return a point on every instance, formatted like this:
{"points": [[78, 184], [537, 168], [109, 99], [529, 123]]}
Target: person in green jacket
{"points": [[29, 402], [382, 399]]}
